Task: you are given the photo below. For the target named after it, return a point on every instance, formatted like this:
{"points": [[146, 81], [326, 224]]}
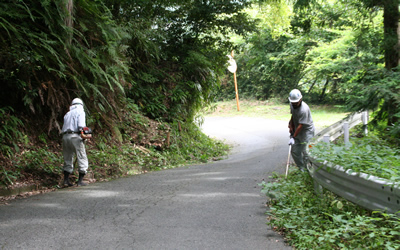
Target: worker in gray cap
{"points": [[301, 129], [73, 144]]}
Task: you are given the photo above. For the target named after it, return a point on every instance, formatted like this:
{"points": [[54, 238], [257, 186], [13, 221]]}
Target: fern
{"points": [[10, 133]]}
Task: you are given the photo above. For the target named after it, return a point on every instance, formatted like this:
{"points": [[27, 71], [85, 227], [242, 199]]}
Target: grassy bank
{"points": [[323, 115]]}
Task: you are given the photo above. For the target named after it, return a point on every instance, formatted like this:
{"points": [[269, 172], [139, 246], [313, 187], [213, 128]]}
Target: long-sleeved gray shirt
{"points": [[302, 115]]}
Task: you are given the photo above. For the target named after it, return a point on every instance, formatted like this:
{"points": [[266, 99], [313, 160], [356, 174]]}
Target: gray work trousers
{"points": [[300, 154], [73, 145]]}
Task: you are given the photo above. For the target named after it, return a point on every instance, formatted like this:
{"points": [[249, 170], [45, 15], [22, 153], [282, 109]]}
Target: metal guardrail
{"points": [[335, 130], [368, 191], [365, 190]]}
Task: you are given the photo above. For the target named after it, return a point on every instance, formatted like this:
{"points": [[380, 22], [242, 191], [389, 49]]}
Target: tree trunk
{"points": [[69, 6], [398, 41], [391, 36], [321, 97], [391, 46], [312, 86]]}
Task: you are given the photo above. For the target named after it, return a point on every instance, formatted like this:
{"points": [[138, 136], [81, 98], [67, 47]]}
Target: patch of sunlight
{"points": [[202, 174], [218, 195], [47, 205], [223, 178], [99, 193]]}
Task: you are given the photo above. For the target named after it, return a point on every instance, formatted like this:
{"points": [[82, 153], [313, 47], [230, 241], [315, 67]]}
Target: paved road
{"points": [[209, 206]]}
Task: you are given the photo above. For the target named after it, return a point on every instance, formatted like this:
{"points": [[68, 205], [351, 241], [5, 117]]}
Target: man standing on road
{"points": [[73, 144], [301, 129]]}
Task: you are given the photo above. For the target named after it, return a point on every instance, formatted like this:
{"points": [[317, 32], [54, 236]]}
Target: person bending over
{"points": [[301, 129]]}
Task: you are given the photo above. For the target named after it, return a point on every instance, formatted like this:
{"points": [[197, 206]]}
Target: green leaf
{"points": [[290, 226]]}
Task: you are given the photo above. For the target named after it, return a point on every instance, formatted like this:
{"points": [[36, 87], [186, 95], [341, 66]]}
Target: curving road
{"points": [[208, 206]]}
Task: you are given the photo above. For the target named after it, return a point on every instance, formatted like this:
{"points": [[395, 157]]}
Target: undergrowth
{"points": [[309, 221], [370, 155], [187, 146], [138, 145]]}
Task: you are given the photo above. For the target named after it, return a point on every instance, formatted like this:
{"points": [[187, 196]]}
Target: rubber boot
{"points": [[66, 180], [80, 180]]}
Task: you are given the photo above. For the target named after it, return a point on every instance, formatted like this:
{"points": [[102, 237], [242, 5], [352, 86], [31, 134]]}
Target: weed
{"points": [[40, 160], [189, 145], [328, 221], [369, 155], [42, 138], [8, 177]]}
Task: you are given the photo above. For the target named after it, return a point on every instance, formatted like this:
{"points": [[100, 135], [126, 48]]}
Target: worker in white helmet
{"points": [[301, 129], [73, 144]]}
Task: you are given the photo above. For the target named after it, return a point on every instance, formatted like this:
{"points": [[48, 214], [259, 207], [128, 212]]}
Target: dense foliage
{"points": [[333, 51], [177, 51], [166, 56], [53, 51]]}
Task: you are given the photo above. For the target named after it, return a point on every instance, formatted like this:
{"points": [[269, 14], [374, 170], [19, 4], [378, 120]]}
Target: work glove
{"points": [[291, 141]]}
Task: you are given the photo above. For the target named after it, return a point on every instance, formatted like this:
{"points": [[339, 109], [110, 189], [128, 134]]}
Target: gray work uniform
{"points": [[73, 144], [302, 115]]}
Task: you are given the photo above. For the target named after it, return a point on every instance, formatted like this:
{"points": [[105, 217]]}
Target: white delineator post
{"points": [[346, 133], [365, 118]]}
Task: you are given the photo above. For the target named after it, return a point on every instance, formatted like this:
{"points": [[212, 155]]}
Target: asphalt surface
{"points": [[208, 206]]}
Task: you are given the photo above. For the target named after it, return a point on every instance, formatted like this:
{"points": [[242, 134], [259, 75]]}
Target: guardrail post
{"points": [[326, 138], [318, 189], [346, 133], [364, 119]]}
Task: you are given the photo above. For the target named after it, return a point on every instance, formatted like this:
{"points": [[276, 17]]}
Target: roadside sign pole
{"points": [[232, 68]]}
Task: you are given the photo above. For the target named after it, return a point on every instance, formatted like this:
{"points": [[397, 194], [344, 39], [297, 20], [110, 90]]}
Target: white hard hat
{"points": [[77, 101], [295, 95]]}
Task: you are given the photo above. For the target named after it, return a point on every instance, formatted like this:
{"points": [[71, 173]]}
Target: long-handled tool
{"points": [[288, 160]]}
